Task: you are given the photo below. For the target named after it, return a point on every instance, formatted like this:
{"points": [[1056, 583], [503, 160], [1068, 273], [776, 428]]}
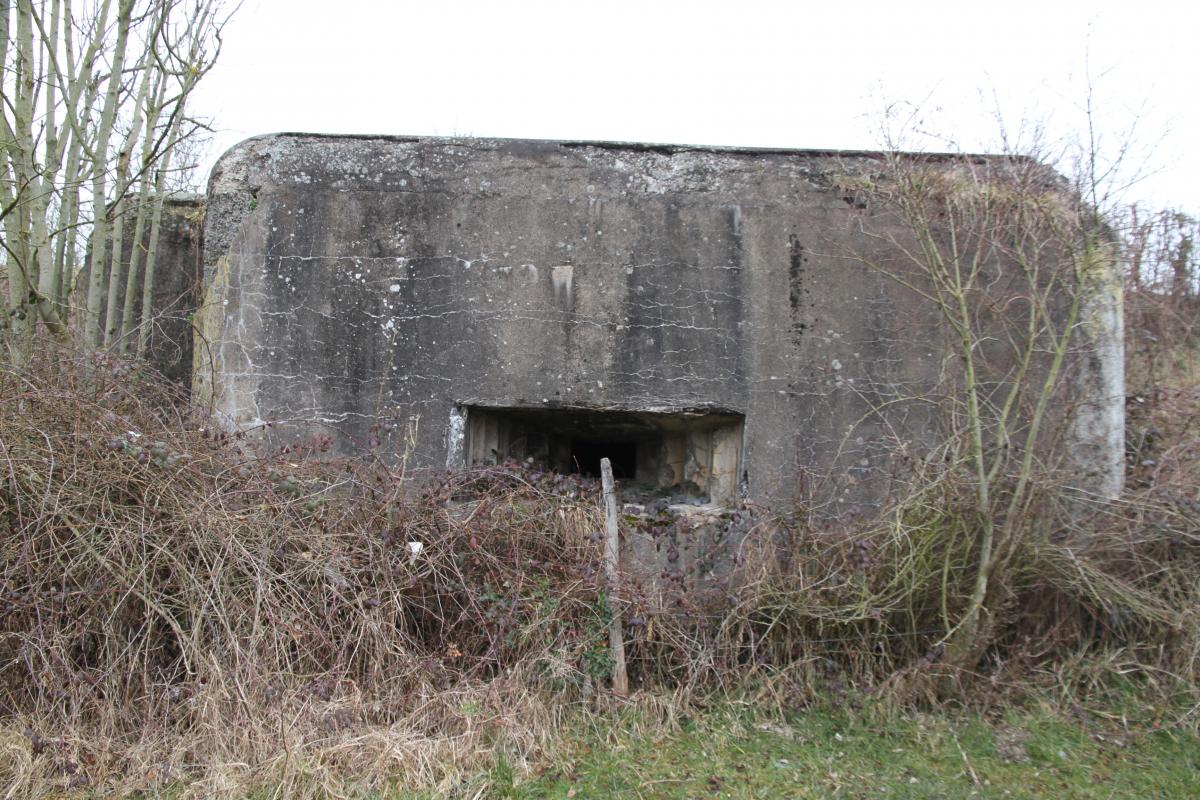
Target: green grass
{"points": [[828, 753], [839, 754]]}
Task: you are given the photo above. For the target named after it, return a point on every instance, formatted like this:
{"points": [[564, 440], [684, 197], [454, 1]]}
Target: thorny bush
{"points": [[179, 606]]}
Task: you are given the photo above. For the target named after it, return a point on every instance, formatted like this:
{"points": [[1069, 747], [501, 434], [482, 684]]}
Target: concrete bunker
{"points": [[687, 456], [703, 316]]}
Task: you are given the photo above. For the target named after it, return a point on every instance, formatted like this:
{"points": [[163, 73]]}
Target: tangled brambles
{"points": [[180, 609]]}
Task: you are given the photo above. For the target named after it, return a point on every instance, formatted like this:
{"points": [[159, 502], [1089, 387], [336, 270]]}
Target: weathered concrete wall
{"points": [[352, 279], [176, 290], [178, 277]]}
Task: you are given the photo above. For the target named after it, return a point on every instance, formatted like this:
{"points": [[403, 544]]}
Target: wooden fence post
{"points": [[612, 550]]}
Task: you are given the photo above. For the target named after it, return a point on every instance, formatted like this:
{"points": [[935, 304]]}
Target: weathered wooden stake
{"points": [[612, 549]]}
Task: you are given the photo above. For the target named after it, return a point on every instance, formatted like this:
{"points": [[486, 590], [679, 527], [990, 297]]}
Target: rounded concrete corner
{"points": [[233, 166]]}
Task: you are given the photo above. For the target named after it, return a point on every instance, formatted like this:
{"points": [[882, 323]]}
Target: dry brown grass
{"points": [[179, 609]]}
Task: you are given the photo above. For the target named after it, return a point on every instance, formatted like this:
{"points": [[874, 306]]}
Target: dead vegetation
{"points": [[178, 609]]}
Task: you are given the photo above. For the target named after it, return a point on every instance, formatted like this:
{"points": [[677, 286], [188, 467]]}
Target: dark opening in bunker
{"points": [[586, 455], [692, 453]]}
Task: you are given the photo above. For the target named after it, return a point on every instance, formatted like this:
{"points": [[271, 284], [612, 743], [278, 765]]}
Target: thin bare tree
{"points": [[99, 94], [1012, 260]]}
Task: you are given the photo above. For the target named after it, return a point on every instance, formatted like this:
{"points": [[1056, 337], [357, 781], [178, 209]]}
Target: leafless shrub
{"points": [[178, 608]]}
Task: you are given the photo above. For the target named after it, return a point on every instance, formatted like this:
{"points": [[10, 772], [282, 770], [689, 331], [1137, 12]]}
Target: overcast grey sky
{"points": [[748, 73]]}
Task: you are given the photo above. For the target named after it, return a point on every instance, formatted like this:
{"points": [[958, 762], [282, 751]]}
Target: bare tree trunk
{"points": [[66, 234], [152, 247], [42, 186], [144, 209], [135, 257], [116, 262], [96, 280], [80, 98], [21, 279], [7, 191]]}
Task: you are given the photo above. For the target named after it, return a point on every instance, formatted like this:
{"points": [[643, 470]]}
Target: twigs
{"points": [[95, 112], [200, 610]]}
